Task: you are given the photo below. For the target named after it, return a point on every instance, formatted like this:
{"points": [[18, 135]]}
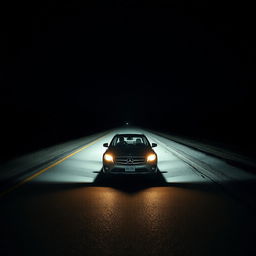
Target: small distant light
{"points": [[127, 123]]}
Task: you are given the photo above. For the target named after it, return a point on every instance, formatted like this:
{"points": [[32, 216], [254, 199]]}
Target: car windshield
{"points": [[132, 140]]}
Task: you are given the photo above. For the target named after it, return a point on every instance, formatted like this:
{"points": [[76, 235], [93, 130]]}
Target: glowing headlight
{"points": [[151, 157], [108, 158]]}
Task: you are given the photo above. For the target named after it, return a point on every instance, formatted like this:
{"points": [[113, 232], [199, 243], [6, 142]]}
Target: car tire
{"points": [[157, 171], [104, 171]]}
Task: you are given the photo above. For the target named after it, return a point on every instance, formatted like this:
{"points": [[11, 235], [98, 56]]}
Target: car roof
{"points": [[129, 134]]}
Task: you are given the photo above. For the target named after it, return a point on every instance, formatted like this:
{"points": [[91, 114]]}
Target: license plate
{"points": [[130, 169]]}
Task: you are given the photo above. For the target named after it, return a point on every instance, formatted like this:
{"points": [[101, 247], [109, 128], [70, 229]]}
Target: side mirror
{"points": [[154, 145], [105, 145]]}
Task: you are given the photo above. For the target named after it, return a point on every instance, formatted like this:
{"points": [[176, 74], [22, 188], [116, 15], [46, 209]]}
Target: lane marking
{"points": [[26, 180]]}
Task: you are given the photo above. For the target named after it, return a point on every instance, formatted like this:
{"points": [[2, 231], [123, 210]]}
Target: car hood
{"points": [[130, 151]]}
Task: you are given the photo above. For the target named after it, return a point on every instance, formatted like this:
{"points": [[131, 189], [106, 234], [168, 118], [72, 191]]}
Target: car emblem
{"points": [[129, 161]]}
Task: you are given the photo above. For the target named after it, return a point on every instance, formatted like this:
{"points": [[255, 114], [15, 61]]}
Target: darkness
{"points": [[73, 69]]}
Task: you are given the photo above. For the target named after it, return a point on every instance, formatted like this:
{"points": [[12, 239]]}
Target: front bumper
{"points": [[117, 169]]}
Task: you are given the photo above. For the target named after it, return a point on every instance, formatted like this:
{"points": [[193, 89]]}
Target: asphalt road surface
{"points": [[72, 209]]}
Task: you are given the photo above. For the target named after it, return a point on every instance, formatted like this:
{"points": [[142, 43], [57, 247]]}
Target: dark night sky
{"points": [[179, 64]]}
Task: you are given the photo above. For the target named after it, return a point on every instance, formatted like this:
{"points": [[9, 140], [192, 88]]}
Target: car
{"points": [[129, 153]]}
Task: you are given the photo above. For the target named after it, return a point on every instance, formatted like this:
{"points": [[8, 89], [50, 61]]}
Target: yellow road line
{"points": [[46, 168]]}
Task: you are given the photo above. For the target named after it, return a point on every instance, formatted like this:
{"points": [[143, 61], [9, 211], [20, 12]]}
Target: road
{"points": [[72, 209]]}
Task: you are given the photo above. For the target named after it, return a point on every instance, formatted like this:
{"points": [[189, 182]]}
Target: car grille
{"points": [[130, 160]]}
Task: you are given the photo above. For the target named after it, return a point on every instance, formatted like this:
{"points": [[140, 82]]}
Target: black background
{"points": [[72, 69]]}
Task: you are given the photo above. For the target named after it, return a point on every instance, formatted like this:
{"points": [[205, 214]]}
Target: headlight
{"points": [[151, 157], [108, 158]]}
